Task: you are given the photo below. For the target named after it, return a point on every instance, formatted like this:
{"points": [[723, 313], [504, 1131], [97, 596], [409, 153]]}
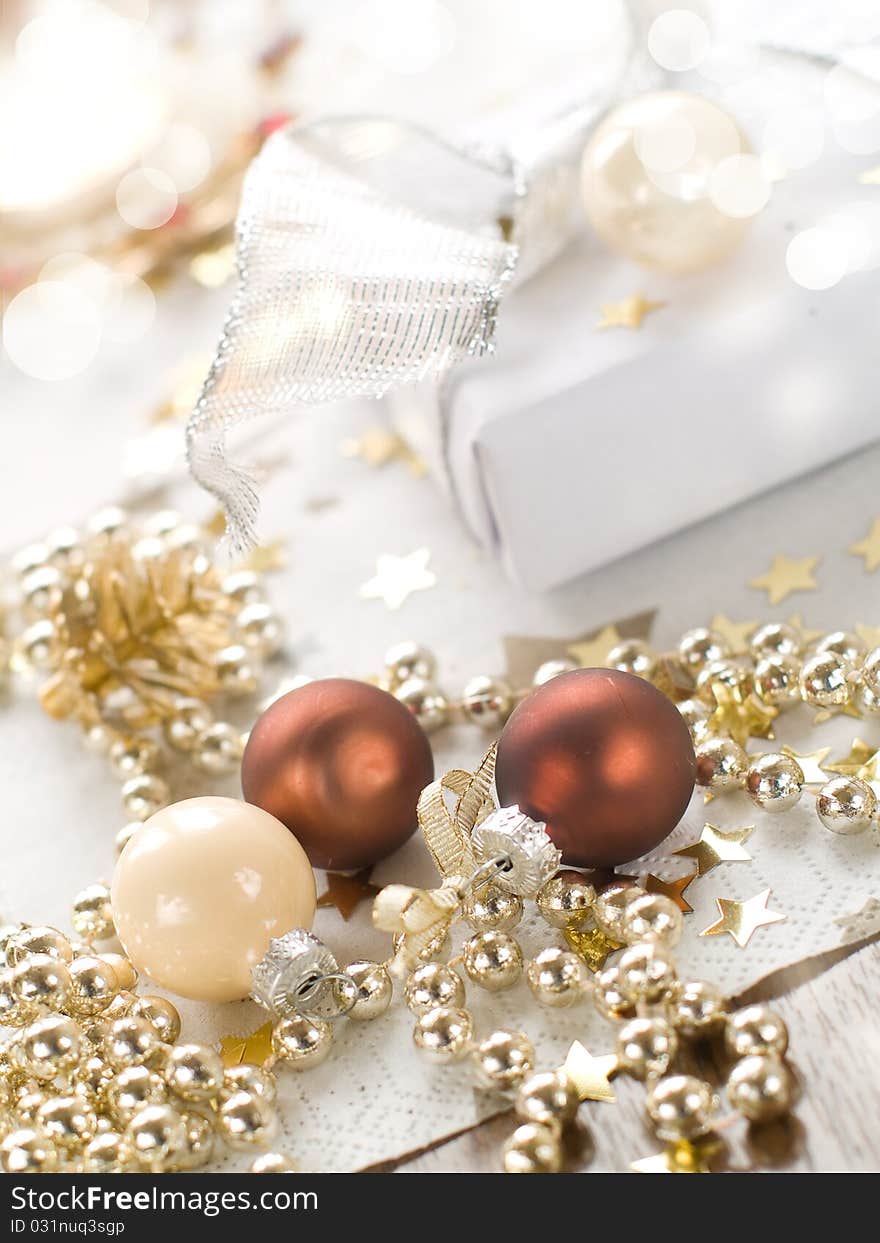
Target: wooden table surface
{"points": [[831, 1006]]}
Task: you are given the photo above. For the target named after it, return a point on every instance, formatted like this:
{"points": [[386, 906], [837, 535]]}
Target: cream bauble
{"points": [[200, 890], [647, 181]]}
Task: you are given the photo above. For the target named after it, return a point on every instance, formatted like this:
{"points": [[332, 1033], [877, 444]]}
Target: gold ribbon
{"points": [[420, 917]]}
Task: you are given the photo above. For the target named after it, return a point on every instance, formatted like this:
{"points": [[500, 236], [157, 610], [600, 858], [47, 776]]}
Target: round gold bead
{"points": [[551, 669], [533, 1149], [696, 714], [610, 905], [68, 1121], [274, 1163], [632, 656], [160, 1013], [93, 914], [646, 972], [409, 660], [444, 1034], [235, 671], [191, 718], [566, 899], [126, 975], [106, 522], [40, 644], [428, 705], [549, 1098], [218, 749], [761, 1088], [91, 1078], [93, 986], [38, 939], [433, 985], [681, 1107], [28, 1151], [41, 982], [492, 959], [755, 1030], [556, 977], [130, 1042], [698, 1008], [774, 781], [608, 996], [49, 1046], [487, 702], [777, 680], [843, 643], [246, 1077], [721, 764], [144, 795], [870, 671], [194, 1072], [776, 639], [156, 1135], [129, 757], [28, 1102], [846, 805], [698, 647], [129, 1090], [646, 1047], [107, 1153], [369, 992], [242, 586], [199, 1144], [825, 680], [734, 672], [301, 1042], [493, 908], [246, 1120], [503, 1060], [652, 917], [41, 591], [260, 628], [13, 1011]]}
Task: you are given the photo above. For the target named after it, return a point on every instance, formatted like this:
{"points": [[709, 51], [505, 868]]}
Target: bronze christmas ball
{"points": [[604, 759], [342, 764]]}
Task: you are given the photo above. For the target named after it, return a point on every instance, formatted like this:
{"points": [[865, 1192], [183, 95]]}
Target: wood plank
{"points": [[835, 1040]]}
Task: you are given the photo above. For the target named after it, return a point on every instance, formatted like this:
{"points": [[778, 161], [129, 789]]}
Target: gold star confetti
{"points": [[714, 847], [669, 678], [346, 892], [737, 634], [378, 446], [628, 313], [871, 176], [396, 578], [252, 1049], [673, 889], [592, 945], [742, 919], [860, 754], [592, 653], [806, 634], [741, 716], [811, 764], [869, 547], [682, 1157], [870, 635], [590, 1074], [267, 557], [786, 575]]}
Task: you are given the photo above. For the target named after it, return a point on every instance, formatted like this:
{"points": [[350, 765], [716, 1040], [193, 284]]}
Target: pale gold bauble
{"points": [[646, 177]]}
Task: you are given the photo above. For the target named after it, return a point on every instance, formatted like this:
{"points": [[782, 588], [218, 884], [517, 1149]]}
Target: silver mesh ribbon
{"points": [[370, 255]]}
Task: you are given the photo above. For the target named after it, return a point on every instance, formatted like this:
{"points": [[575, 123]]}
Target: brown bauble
{"points": [[604, 759], [342, 764]]}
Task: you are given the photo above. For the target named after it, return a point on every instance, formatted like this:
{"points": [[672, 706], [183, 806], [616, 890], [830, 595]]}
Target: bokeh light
{"points": [[146, 198], [666, 145], [51, 330], [858, 227], [404, 36], [817, 258], [679, 40], [738, 186], [183, 153], [793, 138]]}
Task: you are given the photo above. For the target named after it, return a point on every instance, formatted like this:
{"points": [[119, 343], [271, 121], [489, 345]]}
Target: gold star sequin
{"points": [[628, 313], [592, 653], [787, 575], [378, 446], [737, 634], [807, 635], [714, 847], [590, 1074], [347, 891], [673, 889], [811, 764], [396, 578], [860, 754], [742, 919], [682, 1157], [741, 716], [869, 547], [592, 945], [254, 1048]]}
